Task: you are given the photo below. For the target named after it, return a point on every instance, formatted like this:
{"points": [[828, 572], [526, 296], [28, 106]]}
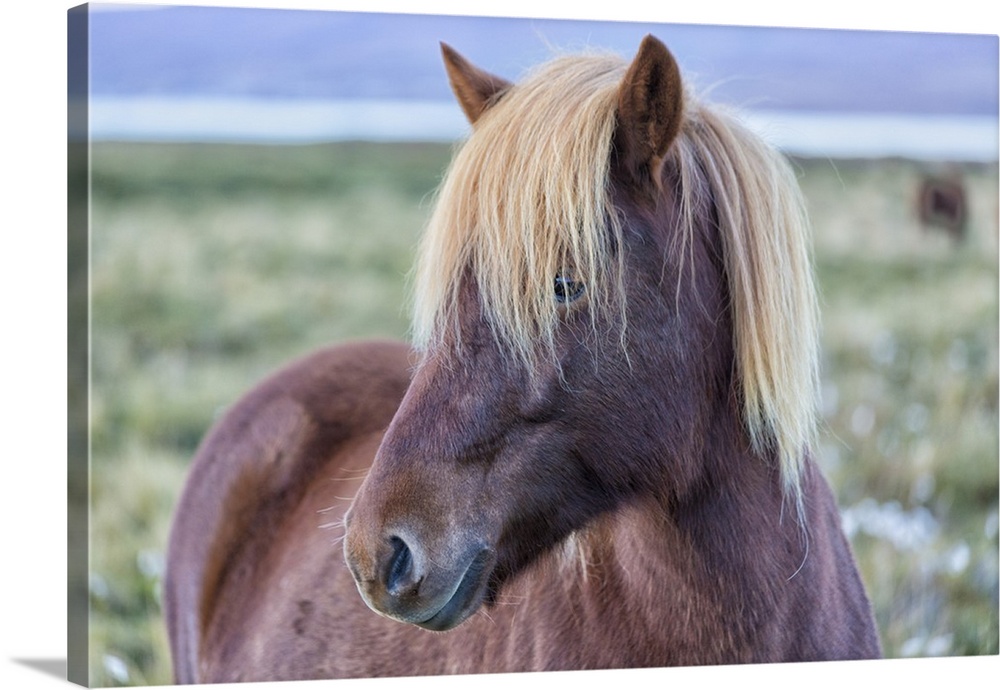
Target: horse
{"points": [[596, 450], [942, 203]]}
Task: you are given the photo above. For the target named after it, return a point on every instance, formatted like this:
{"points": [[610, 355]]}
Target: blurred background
{"points": [[259, 180]]}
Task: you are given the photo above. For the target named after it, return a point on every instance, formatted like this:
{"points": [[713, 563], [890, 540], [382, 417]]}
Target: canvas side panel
{"points": [[78, 300]]}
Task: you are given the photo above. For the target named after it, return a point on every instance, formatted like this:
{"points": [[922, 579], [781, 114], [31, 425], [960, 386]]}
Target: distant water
{"points": [[835, 135]]}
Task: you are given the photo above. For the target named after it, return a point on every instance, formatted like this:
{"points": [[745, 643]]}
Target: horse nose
{"points": [[402, 572], [386, 567]]}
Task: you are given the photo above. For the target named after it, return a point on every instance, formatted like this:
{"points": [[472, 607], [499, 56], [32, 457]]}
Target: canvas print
{"points": [[430, 345]]}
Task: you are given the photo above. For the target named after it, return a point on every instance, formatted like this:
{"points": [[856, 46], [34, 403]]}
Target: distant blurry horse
{"points": [[597, 454], [941, 203]]}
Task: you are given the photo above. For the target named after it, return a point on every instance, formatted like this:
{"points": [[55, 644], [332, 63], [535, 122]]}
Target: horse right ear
{"points": [[475, 89], [650, 109]]}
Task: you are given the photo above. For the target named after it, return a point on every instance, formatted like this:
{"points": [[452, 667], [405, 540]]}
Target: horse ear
{"points": [[475, 89], [650, 105]]}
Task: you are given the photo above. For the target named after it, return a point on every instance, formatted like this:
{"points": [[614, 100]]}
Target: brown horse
{"points": [[596, 456]]}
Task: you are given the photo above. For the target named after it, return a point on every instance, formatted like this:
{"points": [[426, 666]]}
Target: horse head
{"points": [[583, 342]]}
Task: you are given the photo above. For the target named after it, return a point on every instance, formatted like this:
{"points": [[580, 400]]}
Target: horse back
{"points": [[321, 416]]}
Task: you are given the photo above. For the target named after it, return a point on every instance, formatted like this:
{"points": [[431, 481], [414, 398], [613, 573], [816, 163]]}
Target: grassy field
{"points": [[213, 265]]}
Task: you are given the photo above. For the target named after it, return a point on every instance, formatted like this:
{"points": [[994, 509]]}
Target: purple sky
{"points": [[323, 54]]}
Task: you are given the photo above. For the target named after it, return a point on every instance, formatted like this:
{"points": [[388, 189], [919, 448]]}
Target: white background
{"points": [[33, 337]]}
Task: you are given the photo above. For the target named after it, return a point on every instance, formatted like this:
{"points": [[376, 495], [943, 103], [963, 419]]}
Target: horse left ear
{"points": [[650, 106], [475, 89]]}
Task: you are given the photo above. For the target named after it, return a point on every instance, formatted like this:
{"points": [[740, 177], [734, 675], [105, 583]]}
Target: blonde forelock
{"points": [[526, 198]]}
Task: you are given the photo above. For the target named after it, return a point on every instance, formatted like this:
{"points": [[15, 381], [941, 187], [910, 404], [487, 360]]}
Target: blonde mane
{"points": [[766, 246], [527, 197]]}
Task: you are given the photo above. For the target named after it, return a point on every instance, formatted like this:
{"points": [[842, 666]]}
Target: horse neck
{"points": [[728, 544], [736, 509]]}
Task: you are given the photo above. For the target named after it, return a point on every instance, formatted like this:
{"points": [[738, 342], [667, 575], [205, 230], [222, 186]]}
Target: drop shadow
{"points": [[50, 667]]}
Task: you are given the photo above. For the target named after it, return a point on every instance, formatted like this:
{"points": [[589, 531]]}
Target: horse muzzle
{"points": [[399, 579]]}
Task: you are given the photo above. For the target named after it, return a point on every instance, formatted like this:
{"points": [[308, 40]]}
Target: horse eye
{"points": [[567, 290]]}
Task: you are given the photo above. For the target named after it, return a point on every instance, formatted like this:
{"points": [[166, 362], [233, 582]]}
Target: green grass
{"points": [[910, 382], [213, 265]]}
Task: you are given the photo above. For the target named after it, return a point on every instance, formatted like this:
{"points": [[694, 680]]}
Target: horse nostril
{"points": [[401, 577]]}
